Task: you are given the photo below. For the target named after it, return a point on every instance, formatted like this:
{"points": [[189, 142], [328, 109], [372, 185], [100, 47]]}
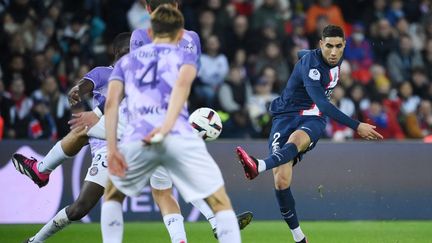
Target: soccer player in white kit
{"points": [[156, 81]]}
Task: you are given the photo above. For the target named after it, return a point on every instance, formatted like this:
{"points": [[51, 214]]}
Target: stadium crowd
{"points": [[249, 49]]}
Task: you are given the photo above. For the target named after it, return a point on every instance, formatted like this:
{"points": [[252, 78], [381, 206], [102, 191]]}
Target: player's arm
{"points": [[317, 95], [83, 87], [179, 95]]}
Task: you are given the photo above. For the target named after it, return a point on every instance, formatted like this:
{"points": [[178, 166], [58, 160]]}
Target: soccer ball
{"points": [[207, 123]]}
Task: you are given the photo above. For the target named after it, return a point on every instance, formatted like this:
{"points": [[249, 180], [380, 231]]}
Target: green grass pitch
{"points": [[257, 232]]}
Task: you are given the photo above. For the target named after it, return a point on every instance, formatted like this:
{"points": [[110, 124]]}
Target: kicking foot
{"points": [[28, 167], [244, 219], [249, 163]]}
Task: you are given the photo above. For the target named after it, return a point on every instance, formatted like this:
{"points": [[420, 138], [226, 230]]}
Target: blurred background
{"points": [[249, 50]]}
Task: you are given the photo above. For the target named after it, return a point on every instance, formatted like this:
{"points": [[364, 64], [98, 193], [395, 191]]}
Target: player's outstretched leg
{"points": [[243, 219], [87, 199], [298, 141], [112, 215], [228, 230], [39, 171]]}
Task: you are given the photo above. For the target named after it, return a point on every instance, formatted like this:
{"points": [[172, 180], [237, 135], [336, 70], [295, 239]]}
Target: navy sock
{"points": [[287, 207], [282, 156]]}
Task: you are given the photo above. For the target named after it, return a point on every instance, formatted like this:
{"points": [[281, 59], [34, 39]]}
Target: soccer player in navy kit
{"points": [[298, 120]]}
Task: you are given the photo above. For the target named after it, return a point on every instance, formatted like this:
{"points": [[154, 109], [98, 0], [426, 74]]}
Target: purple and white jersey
{"points": [[190, 42], [149, 74], [99, 76]]}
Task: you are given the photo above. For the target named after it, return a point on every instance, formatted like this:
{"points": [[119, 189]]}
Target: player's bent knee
{"points": [[301, 139], [219, 201]]}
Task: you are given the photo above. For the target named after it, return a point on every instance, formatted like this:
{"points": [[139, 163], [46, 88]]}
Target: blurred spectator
{"points": [[20, 111], [240, 36], [376, 12], [346, 80], [272, 56], [424, 117], [395, 11], [268, 13], [44, 35], [207, 25], [58, 104], [420, 82], [401, 61], [5, 105], [138, 16], [233, 97], [297, 38], [314, 37], [222, 18], [409, 101], [17, 68], [293, 56], [361, 102], [427, 57], [42, 125], [242, 7], [337, 131], [358, 52], [383, 41], [41, 68], [260, 101], [380, 80], [214, 68], [323, 8], [384, 120]]}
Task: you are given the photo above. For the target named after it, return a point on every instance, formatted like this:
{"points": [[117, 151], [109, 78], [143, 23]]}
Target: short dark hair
{"points": [[153, 4], [121, 44], [333, 31]]}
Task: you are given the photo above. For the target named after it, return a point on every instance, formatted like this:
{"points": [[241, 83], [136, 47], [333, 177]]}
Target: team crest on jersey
{"points": [[94, 171], [314, 74]]}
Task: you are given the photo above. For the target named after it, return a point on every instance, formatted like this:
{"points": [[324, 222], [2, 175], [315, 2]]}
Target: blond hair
{"points": [[166, 21]]}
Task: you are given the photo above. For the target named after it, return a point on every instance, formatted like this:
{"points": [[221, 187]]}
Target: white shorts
{"points": [[98, 170], [160, 179], [186, 160], [98, 130]]}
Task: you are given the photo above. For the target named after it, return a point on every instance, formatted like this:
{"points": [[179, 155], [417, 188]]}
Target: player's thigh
{"points": [[98, 170], [160, 179], [112, 193], [282, 176], [301, 139], [191, 168], [141, 161], [314, 128], [282, 128]]}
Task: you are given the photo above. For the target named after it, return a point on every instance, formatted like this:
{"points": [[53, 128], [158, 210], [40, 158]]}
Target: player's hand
{"points": [[83, 119], [116, 163], [155, 136], [73, 96], [367, 131]]}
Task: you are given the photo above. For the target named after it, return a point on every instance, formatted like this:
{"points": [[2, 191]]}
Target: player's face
{"points": [[332, 49]]}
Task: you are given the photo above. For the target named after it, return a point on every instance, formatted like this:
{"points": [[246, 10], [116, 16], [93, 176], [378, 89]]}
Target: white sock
{"points": [[297, 234], [261, 166], [56, 224], [228, 229], [112, 222], [205, 209], [175, 227], [54, 158]]}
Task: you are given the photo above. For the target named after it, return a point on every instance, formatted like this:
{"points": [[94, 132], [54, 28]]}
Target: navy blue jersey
{"points": [[310, 70]]}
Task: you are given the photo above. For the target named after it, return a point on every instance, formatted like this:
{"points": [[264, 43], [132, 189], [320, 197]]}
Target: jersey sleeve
{"points": [[138, 38], [190, 58], [94, 77], [118, 73], [311, 76]]}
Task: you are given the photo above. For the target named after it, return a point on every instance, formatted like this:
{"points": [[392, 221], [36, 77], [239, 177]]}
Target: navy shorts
{"points": [[284, 125]]}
